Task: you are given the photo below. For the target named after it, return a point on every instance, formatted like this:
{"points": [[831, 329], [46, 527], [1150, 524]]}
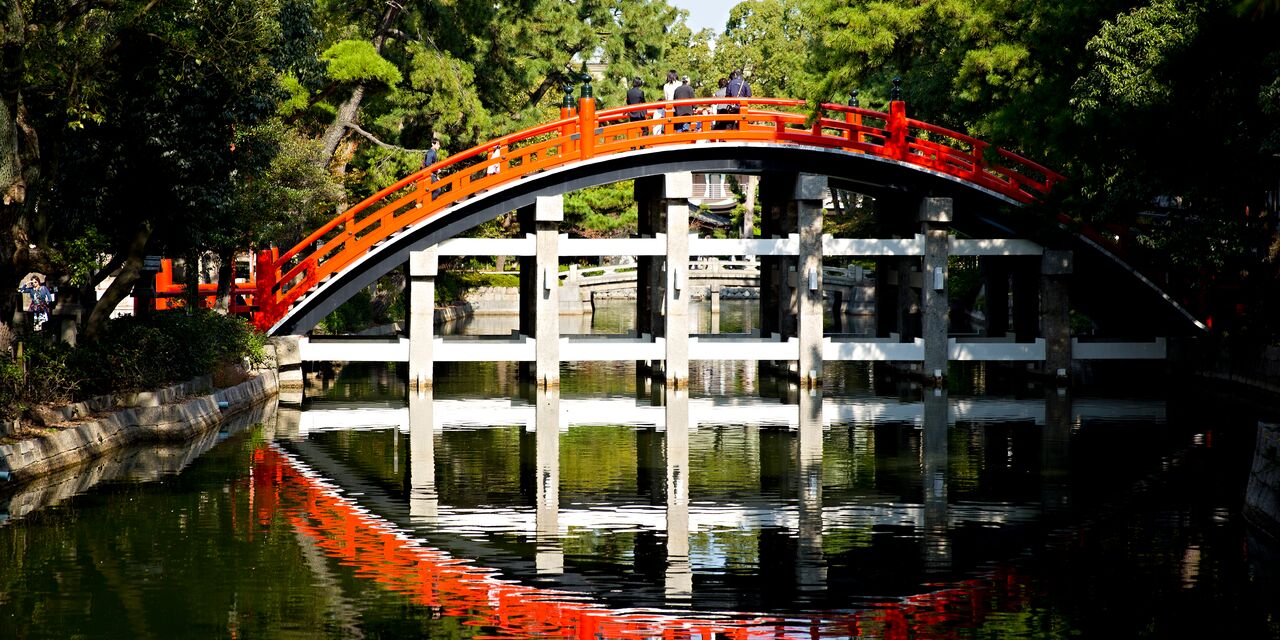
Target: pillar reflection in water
{"points": [[679, 573], [424, 501], [811, 564], [549, 554], [1055, 450], [937, 545]]}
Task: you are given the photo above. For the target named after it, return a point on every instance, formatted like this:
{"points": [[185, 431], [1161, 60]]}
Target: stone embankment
{"points": [[140, 462], [1262, 499], [179, 413]]}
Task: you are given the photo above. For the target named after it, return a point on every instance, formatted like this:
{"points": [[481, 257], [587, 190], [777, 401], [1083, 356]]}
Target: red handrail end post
{"points": [[265, 276], [567, 131], [898, 129], [587, 127]]}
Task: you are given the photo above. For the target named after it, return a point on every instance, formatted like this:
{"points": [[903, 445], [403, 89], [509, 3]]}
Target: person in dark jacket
{"points": [[635, 95], [737, 88], [431, 157], [684, 92]]}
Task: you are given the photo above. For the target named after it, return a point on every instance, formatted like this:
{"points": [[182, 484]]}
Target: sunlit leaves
{"points": [[1132, 57], [358, 61]]}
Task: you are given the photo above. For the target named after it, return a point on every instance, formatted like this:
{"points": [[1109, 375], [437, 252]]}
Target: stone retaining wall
{"points": [[1262, 499], [143, 462], [178, 421]]}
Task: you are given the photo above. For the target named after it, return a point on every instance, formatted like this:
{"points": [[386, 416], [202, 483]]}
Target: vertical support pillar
{"points": [[1055, 451], [1055, 309], [1026, 298], [715, 307], [811, 565], [937, 545], [808, 203], [649, 279], [995, 276], [773, 271], [908, 300], [549, 554], [288, 368], [677, 189], [886, 302], [528, 289], [424, 501], [424, 266], [548, 214], [679, 574], [935, 218]]}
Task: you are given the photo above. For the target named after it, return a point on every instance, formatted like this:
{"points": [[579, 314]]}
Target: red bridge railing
{"points": [[282, 279]]}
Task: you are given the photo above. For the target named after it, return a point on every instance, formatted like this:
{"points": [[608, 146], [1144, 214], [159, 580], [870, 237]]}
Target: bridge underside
{"points": [[978, 213], [863, 173]]}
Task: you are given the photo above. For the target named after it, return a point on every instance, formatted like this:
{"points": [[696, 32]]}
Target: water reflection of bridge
{"points": [[478, 531], [702, 411]]}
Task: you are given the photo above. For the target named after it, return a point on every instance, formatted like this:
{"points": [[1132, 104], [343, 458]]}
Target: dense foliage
{"points": [[130, 354], [134, 127]]}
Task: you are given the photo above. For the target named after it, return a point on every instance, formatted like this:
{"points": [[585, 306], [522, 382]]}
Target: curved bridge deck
{"points": [[283, 279]]}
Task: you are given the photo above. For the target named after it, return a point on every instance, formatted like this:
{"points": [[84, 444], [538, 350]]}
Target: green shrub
{"points": [[130, 354]]}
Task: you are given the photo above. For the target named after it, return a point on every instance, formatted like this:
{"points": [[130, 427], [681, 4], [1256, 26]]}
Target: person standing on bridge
{"points": [[433, 156], [496, 166], [683, 92], [737, 88], [720, 107], [635, 95], [668, 94]]}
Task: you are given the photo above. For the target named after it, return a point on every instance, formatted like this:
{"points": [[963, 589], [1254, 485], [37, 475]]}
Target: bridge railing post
{"points": [[567, 131], [265, 277], [898, 129], [854, 118], [587, 127]]}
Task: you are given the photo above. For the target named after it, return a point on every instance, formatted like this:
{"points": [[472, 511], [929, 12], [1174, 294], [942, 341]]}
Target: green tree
{"points": [[770, 40]]}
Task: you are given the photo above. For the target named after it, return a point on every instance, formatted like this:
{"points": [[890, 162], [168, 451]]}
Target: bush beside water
{"points": [[132, 354]]}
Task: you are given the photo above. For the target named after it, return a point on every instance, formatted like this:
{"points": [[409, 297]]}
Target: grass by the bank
{"points": [[131, 354]]}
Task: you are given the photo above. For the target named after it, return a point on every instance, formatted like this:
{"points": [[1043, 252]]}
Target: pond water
{"points": [[743, 507]]}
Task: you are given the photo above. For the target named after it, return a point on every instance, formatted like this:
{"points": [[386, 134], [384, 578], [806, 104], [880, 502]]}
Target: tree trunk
{"points": [[12, 30], [191, 276], [130, 271], [226, 280], [338, 128], [350, 109]]}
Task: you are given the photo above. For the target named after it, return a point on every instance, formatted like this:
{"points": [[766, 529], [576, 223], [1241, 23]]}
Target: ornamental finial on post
{"points": [[853, 98], [569, 102], [897, 88], [586, 82]]}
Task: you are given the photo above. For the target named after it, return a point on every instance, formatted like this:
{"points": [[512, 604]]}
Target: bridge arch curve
{"points": [[860, 172]]}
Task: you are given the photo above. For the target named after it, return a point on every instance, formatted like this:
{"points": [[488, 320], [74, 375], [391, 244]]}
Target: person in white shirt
{"points": [[668, 94]]}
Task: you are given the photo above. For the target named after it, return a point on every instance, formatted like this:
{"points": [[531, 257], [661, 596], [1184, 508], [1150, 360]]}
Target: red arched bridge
{"points": [[294, 289]]}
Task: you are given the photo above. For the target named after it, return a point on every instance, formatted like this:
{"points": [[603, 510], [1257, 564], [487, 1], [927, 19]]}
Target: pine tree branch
{"points": [[356, 128]]}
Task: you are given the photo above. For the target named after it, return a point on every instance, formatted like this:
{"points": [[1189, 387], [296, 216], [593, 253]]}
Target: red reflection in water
{"points": [[454, 587]]}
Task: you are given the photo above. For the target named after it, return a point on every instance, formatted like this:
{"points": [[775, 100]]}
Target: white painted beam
{"points": [[744, 349], [354, 350], [1156, 350], [576, 247], [873, 350], [620, 349], [996, 351], [488, 246], [994, 247], [873, 247], [516, 349], [789, 246]]}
